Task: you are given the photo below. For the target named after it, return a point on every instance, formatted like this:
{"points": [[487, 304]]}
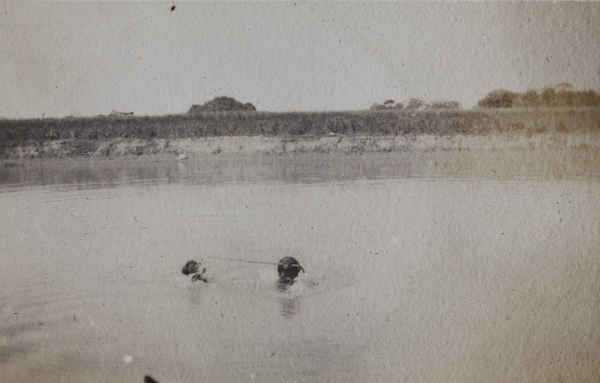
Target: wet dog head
{"points": [[193, 268], [288, 269], [190, 268]]}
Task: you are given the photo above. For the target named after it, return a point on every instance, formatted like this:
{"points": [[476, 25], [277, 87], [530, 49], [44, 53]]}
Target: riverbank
{"points": [[307, 159], [278, 133], [332, 143]]}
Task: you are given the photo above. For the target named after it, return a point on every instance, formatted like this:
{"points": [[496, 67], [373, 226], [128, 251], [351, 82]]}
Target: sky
{"points": [[87, 58]]}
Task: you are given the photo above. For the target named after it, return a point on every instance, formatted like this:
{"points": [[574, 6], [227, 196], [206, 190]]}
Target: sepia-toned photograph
{"points": [[309, 191]]}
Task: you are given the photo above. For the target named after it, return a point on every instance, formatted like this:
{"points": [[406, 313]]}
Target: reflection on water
{"points": [[289, 300], [103, 173], [289, 306], [90, 173]]}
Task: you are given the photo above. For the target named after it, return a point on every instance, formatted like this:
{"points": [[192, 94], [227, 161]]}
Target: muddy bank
{"points": [[119, 147]]}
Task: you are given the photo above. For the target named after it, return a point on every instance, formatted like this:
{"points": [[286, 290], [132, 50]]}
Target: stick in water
{"points": [[242, 260]]}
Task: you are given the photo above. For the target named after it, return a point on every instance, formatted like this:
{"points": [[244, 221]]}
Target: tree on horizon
{"points": [[222, 104]]}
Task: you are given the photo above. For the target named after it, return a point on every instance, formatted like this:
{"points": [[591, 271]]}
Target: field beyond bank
{"points": [[278, 133]]}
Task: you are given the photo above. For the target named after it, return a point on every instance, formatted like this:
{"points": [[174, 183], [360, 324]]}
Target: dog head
{"points": [[190, 268], [288, 269]]}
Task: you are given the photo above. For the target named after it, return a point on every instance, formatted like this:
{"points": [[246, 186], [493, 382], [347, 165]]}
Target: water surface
{"points": [[409, 277]]}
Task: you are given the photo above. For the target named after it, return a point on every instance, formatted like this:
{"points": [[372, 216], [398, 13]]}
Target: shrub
{"points": [[561, 96], [222, 104], [415, 104], [498, 98]]}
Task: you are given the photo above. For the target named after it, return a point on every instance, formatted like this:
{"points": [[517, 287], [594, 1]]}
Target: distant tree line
{"points": [[552, 97], [417, 104]]}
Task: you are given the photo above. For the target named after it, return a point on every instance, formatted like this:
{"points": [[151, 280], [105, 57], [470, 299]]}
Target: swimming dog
{"points": [[288, 269], [192, 267]]}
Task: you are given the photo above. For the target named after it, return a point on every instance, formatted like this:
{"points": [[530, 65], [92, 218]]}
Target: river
{"points": [[409, 276]]}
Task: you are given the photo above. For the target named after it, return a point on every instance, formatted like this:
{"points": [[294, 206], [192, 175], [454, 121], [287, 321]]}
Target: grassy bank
{"points": [[147, 135]]}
